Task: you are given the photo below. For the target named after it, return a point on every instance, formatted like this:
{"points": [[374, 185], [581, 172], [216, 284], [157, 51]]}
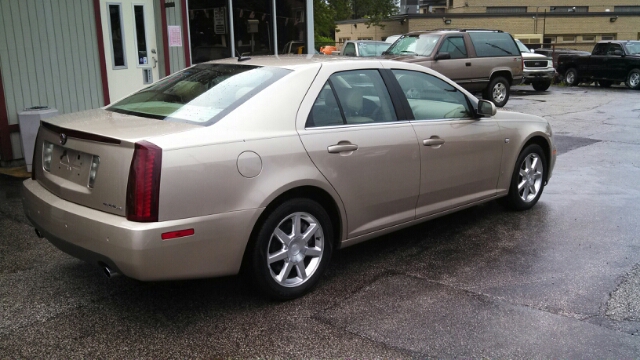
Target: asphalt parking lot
{"points": [[559, 281]]}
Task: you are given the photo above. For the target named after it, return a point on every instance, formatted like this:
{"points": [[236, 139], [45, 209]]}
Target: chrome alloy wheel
{"points": [[499, 92], [634, 79], [570, 77], [295, 249], [530, 178]]}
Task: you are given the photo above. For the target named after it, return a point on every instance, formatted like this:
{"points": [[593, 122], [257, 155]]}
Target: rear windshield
{"points": [[414, 45], [489, 44], [202, 94]]}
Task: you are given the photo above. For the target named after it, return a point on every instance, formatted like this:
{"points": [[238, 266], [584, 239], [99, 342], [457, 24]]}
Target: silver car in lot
{"points": [[269, 164]]}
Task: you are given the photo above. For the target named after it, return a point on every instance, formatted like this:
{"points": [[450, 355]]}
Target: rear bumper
{"points": [[137, 249]]}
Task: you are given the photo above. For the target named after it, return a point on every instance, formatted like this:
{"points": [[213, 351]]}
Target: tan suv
{"points": [[486, 61]]}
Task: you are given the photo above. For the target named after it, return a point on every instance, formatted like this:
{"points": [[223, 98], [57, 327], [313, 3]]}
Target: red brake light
{"points": [[143, 188]]}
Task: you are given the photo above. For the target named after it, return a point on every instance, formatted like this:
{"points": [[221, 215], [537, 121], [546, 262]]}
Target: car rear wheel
{"points": [[497, 92], [571, 77], [541, 85], [292, 249], [633, 79], [527, 180]]}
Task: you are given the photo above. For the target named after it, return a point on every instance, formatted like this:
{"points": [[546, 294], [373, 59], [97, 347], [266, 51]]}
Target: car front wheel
{"points": [[571, 77], [527, 180], [633, 79], [497, 92], [291, 249]]}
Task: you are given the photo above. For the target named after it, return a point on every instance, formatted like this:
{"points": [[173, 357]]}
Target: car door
{"points": [[596, 66], [616, 63], [459, 67], [460, 155], [372, 160]]}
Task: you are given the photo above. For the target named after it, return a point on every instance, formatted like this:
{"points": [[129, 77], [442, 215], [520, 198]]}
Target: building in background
{"points": [[76, 55], [553, 23]]}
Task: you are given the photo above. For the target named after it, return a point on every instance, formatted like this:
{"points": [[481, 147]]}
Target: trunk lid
{"points": [[85, 157]]}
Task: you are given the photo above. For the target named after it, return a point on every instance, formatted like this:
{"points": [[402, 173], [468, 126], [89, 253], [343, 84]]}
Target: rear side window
{"points": [[352, 98], [349, 50], [202, 94], [600, 49], [493, 44]]}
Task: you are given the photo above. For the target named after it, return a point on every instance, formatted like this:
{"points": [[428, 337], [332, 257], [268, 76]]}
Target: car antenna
{"points": [[242, 58]]}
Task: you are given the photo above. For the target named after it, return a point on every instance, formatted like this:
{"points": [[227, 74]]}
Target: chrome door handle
{"points": [[155, 61], [433, 141], [338, 148]]}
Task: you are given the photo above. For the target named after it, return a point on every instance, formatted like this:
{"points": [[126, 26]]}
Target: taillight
{"points": [[143, 188]]}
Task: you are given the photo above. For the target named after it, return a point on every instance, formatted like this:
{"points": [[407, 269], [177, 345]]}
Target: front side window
{"points": [[414, 45], [613, 48], [431, 98], [202, 94], [352, 98], [455, 47], [118, 54], [493, 44]]}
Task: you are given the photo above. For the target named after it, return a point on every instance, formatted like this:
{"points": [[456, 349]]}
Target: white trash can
{"points": [[29, 120]]}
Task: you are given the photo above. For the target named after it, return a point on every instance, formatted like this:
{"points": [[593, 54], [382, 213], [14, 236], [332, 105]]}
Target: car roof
{"points": [[292, 62], [448, 31]]}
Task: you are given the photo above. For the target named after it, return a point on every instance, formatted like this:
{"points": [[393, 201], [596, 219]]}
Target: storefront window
{"points": [[253, 28]]}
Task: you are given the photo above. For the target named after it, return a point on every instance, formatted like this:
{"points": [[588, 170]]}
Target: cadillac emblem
{"points": [[63, 139]]}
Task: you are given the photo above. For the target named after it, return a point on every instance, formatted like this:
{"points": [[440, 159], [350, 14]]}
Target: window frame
{"points": [[397, 107], [146, 37], [124, 46], [410, 116]]}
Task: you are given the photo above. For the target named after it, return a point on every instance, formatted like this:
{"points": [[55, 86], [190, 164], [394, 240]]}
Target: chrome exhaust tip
{"points": [[38, 234], [110, 273]]}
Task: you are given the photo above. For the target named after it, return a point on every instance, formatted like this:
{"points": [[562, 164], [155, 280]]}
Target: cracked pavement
{"points": [[559, 281]]}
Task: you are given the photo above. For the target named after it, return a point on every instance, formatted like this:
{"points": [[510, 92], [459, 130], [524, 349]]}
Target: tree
{"points": [[323, 19], [374, 10]]}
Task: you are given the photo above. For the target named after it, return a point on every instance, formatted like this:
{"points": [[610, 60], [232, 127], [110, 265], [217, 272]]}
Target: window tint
{"points": [[493, 44], [455, 47], [202, 94], [362, 97], [118, 55], [432, 98], [600, 49], [613, 48], [349, 50]]}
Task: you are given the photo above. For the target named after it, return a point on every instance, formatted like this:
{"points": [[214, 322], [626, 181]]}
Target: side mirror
{"points": [[486, 108], [618, 52], [443, 56]]}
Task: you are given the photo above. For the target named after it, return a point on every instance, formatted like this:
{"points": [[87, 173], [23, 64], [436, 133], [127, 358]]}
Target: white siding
{"points": [[49, 56]]}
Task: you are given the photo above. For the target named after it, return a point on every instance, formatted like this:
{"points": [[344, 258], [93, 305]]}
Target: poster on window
{"points": [[218, 21], [175, 36]]}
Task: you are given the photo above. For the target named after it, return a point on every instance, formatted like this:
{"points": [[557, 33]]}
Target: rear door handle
{"points": [[468, 64], [432, 142], [338, 148]]}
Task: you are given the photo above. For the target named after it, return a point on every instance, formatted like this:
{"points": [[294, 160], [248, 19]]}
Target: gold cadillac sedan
{"points": [[268, 165]]}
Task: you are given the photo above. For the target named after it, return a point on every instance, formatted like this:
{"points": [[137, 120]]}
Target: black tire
{"points": [[264, 273], [571, 77], [633, 79], [605, 83], [498, 91], [514, 199], [541, 85]]}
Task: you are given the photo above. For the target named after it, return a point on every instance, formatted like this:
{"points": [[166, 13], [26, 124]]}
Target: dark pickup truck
{"points": [[610, 62]]}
